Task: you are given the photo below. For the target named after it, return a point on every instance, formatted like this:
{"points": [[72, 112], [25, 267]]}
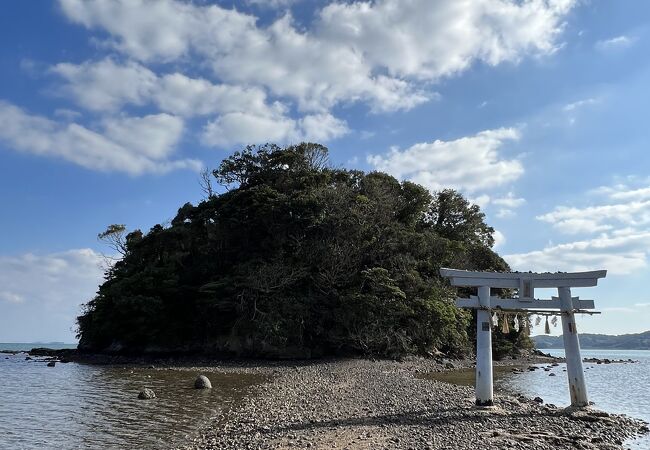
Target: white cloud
{"points": [[469, 164], [45, 291], [321, 127], [272, 3], [499, 239], [106, 85], [11, 297], [622, 244], [618, 42], [504, 213], [580, 103], [179, 94], [67, 114], [508, 204], [376, 52], [618, 254], [243, 115], [240, 127], [482, 200], [509, 201], [626, 208], [70, 277], [623, 192], [153, 136], [416, 39], [131, 145]]}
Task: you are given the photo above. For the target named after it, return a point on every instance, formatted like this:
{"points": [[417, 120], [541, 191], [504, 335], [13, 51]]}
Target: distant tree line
{"points": [[295, 258]]}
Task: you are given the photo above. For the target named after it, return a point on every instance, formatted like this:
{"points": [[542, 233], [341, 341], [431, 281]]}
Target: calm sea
{"points": [[78, 406], [616, 388]]}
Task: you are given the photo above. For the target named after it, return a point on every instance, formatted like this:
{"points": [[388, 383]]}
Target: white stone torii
{"points": [[525, 283]]}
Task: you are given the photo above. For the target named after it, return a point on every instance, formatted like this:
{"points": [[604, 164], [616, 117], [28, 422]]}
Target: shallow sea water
{"points": [[78, 406], [621, 388]]}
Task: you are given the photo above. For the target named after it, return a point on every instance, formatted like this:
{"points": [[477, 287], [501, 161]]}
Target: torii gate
{"points": [[525, 283]]}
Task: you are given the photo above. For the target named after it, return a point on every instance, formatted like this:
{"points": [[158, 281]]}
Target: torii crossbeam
{"points": [[525, 284]]}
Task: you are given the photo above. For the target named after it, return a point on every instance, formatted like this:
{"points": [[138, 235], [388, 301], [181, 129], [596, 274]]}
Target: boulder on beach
{"points": [[146, 394], [202, 382]]}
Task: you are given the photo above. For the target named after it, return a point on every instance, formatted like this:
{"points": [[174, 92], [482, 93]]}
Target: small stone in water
{"points": [[146, 394], [202, 382]]}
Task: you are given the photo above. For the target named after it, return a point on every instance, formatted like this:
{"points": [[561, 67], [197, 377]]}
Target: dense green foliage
{"points": [[295, 258]]}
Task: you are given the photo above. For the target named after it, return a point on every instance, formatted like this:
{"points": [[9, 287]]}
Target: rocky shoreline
{"points": [[365, 404], [379, 404]]}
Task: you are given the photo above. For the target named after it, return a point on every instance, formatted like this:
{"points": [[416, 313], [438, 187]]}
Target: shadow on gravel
{"points": [[439, 417]]}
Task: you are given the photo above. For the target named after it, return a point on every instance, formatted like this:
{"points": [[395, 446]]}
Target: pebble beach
{"points": [[367, 404]]}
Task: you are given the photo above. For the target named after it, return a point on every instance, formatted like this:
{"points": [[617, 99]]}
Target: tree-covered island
{"points": [[296, 258]]}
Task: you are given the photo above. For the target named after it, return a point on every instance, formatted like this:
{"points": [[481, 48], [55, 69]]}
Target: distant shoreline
{"points": [[590, 341], [7, 347]]}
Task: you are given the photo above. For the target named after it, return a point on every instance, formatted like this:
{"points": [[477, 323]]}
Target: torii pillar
{"points": [[484, 375], [575, 372]]}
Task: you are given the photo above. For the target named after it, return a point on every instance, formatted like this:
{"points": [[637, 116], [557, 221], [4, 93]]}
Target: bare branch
{"points": [[205, 181], [115, 237]]}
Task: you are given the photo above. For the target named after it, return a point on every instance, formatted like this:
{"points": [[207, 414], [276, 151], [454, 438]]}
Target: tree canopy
{"points": [[295, 258]]}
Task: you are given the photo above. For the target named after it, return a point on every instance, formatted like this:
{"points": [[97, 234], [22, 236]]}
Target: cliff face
{"points": [[638, 341]]}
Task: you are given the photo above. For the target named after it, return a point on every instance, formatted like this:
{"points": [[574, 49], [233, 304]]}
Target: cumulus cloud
{"points": [[615, 234], [105, 85], [375, 52], [508, 204], [469, 164], [241, 127], [242, 115], [108, 85], [272, 80], [620, 254], [69, 277], [624, 207], [46, 290], [134, 145]]}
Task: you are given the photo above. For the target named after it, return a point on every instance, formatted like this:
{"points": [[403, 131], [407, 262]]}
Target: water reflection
{"points": [[467, 376], [617, 388], [81, 406], [620, 388]]}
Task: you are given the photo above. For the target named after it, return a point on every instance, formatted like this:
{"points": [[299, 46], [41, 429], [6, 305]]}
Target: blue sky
{"points": [[536, 110]]}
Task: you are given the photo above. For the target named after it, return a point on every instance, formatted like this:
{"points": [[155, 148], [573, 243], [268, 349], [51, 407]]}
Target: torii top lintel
{"points": [[514, 280]]}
